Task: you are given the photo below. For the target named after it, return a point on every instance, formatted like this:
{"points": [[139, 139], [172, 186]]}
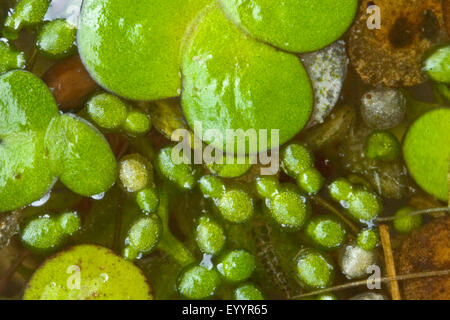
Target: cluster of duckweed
{"points": [[298, 162], [233, 203], [361, 203], [177, 169], [286, 205], [112, 114], [47, 233], [39, 145]]}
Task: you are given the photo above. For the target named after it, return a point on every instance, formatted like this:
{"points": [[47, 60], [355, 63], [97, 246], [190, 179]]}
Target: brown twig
{"points": [[389, 261], [360, 283], [325, 204], [12, 270]]}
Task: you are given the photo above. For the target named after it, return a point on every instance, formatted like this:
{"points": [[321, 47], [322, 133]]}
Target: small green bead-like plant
{"points": [[368, 239], [10, 57], [298, 162], [234, 204], [285, 204], [230, 170], [404, 222], [382, 145], [314, 270], [136, 177], [137, 123], [26, 13], [326, 232], [56, 39], [361, 203], [198, 282], [178, 171], [152, 232], [143, 237], [209, 235], [111, 113], [437, 65], [236, 265], [107, 111], [48, 233], [87, 272], [248, 291]]}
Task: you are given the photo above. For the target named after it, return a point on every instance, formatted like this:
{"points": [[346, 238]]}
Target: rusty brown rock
{"points": [[427, 249], [392, 55], [70, 83]]}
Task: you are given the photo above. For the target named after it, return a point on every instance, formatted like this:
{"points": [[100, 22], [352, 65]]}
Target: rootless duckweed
{"points": [[107, 111], [426, 149], [234, 204], [198, 282], [218, 52], [437, 65], [382, 145], [143, 237], [230, 170], [10, 57], [48, 233], [368, 239], [136, 178], [183, 174], [152, 232], [314, 270], [209, 235], [95, 273], [135, 52], [404, 222], [26, 13], [236, 265], [248, 291], [285, 204], [293, 25], [326, 232], [111, 113], [298, 162], [57, 39], [361, 203]]}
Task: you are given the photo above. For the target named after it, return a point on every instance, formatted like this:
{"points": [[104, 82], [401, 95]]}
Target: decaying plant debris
{"points": [[425, 250], [392, 55]]}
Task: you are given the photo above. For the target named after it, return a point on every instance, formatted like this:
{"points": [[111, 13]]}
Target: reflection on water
{"points": [[64, 9]]}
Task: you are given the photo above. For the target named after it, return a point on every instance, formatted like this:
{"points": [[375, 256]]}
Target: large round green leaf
{"points": [[132, 47], [87, 272], [26, 108], [293, 25], [233, 82], [426, 150]]}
